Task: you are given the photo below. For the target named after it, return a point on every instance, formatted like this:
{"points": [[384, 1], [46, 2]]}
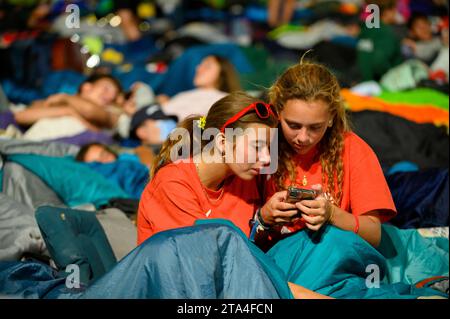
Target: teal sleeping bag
{"points": [[410, 257], [341, 264], [73, 182], [214, 259]]}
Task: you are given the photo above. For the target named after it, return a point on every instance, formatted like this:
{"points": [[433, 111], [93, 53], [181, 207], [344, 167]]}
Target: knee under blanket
{"points": [[174, 264], [213, 260], [339, 263], [205, 261]]}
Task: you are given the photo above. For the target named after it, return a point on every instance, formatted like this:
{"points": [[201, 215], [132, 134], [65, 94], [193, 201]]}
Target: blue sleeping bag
{"points": [[341, 264], [73, 182], [129, 175], [213, 259], [421, 198]]}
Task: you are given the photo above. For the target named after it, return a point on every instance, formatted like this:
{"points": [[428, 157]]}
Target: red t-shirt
{"points": [[364, 186], [176, 198]]}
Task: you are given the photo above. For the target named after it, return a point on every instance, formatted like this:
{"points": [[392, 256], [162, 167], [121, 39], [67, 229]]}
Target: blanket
{"points": [[419, 113], [421, 198], [73, 182], [19, 232], [341, 264], [129, 175], [395, 139], [171, 264], [410, 257], [25, 187], [16, 146]]}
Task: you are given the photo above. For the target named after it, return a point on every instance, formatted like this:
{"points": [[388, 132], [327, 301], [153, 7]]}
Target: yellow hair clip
{"points": [[202, 122]]}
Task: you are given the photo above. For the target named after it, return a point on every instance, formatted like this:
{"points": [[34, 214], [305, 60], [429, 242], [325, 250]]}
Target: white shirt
{"points": [[193, 102], [54, 127]]}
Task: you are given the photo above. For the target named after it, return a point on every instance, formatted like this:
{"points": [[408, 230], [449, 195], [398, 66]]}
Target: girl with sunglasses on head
{"points": [[182, 192]]}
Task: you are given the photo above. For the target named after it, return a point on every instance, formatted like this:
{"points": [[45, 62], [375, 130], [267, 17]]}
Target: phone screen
{"points": [[297, 194]]}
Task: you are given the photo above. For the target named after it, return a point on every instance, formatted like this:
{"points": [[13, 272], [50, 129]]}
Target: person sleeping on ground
{"points": [[151, 126], [94, 107], [215, 76], [101, 153]]}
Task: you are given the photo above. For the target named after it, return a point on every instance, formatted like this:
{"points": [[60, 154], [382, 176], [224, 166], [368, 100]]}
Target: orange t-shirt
{"points": [[364, 186], [176, 198]]}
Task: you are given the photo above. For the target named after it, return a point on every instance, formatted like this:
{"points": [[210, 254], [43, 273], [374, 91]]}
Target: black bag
{"points": [[128, 206]]}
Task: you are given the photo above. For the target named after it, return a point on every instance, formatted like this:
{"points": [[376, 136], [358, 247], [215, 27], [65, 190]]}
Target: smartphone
{"points": [[296, 194]]}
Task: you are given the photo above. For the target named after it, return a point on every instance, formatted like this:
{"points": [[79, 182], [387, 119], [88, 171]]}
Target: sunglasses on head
{"points": [[263, 110]]}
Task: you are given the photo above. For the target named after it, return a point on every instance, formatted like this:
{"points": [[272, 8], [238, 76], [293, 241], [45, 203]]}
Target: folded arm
{"points": [[32, 114], [93, 113]]}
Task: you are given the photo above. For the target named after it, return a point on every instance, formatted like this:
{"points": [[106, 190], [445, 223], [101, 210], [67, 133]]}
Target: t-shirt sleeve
{"points": [[369, 190], [172, 204]]}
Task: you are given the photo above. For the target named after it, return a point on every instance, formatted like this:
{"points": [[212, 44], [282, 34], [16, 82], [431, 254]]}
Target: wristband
{"points": [[261, 220], [256, 226]]}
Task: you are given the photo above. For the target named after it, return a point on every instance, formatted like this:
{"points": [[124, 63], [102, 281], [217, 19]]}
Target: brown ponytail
{"points": [[163, 158]]}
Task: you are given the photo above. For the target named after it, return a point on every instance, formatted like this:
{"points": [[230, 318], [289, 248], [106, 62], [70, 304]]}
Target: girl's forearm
{"points": [[369, 225], [31, 115]]}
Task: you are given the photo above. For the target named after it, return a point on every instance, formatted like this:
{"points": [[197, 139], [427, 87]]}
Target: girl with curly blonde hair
{"points": [[319, 151]]}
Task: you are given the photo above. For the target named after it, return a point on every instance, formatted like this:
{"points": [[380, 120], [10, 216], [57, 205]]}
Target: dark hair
{"points": [[219, 113], [80, 157], [228, 80], [415, 16], [100, 76]]}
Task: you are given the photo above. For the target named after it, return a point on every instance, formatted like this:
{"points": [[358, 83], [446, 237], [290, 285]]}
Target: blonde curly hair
{"points": [[309, 82]]}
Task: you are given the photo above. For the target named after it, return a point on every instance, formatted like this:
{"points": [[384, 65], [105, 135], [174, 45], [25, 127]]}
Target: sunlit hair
{"points": [[309, 82], [218, 115]]}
